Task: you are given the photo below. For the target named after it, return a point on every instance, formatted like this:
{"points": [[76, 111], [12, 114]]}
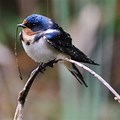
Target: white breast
{"points": [[40, 51]]}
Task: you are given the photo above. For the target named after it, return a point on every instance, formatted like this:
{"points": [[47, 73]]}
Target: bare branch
{"points": [[41, 68], [23, 94], [117, 96]]}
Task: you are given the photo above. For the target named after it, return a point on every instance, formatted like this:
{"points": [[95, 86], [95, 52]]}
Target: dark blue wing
{"points": [[63, 42], [59, 40]]}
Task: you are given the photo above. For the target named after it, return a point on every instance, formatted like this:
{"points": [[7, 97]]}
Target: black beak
{"points": [[21, 25]]}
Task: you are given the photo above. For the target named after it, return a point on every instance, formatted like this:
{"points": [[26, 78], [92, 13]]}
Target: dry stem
{"points": [[23, 94]]}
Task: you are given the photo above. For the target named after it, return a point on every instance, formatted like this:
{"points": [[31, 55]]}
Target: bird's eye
{"points": [[33, 24], [30, 25]]}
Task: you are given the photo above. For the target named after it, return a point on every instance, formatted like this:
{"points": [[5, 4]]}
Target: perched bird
{"points": [[44, 40]]}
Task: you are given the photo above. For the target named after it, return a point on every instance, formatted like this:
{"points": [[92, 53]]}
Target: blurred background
{"points": [[95, 28]]}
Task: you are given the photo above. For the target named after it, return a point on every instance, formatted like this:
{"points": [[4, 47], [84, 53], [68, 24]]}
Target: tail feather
{"points": [[78, 56], [73, 73], [76, 73]]}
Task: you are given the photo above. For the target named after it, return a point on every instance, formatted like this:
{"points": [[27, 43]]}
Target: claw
{"points": [[41, 67], [51, 63]]}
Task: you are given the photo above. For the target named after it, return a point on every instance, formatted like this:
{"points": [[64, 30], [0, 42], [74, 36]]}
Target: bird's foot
{"points": [[51, 63], [42, 67]]}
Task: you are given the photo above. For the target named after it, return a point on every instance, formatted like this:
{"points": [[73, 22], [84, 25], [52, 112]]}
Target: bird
{"points": [[44, 40]]}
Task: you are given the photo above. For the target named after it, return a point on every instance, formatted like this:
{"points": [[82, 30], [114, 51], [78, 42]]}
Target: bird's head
{"points": [[36, 23]]}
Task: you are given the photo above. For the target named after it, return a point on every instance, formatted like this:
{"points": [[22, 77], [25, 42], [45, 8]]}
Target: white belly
{"points": [[40, 51]]}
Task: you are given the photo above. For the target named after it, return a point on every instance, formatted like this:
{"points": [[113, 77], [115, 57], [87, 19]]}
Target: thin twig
{"points": [[23, 94], [117, 96]]}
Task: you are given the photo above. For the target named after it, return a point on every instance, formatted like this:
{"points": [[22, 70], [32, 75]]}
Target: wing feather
{"points": [[63, 42]]}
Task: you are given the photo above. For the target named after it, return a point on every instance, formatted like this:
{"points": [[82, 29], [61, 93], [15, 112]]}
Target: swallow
{"points": [[44, 40]]}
